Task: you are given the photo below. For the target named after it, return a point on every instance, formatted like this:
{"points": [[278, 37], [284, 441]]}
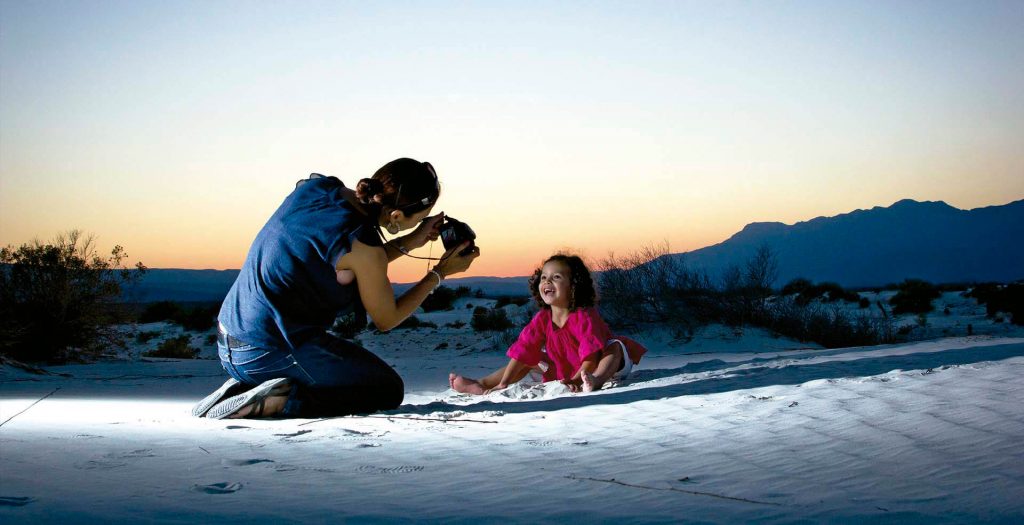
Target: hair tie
{"points": [[370, 191]]}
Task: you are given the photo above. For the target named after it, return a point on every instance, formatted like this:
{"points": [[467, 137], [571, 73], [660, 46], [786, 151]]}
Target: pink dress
{"points": [[583, 334]]}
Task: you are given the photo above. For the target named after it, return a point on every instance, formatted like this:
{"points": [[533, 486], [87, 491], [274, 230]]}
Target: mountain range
{"points": [[926, 240]]}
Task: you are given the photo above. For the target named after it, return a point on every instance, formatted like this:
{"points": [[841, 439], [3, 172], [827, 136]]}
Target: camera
{"points": [[454, 233]]}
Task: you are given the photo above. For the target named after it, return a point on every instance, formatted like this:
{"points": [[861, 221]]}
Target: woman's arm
{"points": [[370, 263], [428, 230]]}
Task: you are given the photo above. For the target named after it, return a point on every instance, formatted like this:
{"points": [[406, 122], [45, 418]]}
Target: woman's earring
{"points": [[393, 228]]}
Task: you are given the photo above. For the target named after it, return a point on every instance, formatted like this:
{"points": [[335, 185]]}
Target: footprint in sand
{"points": [[243, 462], [404, 469], [15, 501], [294, 434], [218, 488], [235, 427], [114, 460]]}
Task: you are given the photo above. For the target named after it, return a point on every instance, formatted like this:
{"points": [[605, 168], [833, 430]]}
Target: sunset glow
{"points": [[175, 129]]}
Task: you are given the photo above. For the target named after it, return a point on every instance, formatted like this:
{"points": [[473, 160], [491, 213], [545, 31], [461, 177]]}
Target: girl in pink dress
{"points": [[567, 340]]}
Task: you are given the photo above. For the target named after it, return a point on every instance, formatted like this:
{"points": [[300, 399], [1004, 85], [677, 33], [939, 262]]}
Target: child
{"points": [[580, 350]]}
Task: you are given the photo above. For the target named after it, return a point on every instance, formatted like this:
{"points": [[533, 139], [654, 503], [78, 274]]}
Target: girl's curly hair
{"points": [[582, 293]]}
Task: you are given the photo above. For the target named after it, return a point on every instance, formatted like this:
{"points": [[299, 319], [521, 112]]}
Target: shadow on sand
{"points": [[712, 377]]}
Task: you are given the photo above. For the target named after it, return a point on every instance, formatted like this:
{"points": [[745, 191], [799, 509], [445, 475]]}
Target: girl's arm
{"points": [[588, 365], [514, 371], [370, 263]]}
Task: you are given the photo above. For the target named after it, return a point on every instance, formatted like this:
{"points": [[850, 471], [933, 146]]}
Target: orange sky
{"points": [[599, 129]]}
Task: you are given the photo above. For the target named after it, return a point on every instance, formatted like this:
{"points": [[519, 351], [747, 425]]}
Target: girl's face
{"points": [[555, 284]]}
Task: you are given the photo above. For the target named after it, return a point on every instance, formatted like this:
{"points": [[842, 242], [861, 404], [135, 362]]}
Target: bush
{"points": [[176, 348], [60, 298], [197, 319], [160, 311], [507, 300], [914, 296], [144, 337], [796, 286], [999, 298], [456, 324], [489, 320], [830, 327], [441, 299]]}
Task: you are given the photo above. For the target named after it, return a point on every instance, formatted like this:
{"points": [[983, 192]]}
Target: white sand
{"points": [[727, 428]]}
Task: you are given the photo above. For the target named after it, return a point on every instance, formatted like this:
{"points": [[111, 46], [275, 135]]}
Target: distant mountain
{"points": [[926, 240], [182, 285]]}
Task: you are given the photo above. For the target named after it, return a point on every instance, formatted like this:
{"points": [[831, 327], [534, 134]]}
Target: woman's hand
{"points": [[428, 230], [451, 262]]}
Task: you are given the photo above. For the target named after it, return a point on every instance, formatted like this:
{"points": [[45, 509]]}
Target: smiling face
{"points": [[555, 284]]}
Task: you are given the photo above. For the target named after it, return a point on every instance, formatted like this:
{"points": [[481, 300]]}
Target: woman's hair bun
{"points": [[370, 190]]}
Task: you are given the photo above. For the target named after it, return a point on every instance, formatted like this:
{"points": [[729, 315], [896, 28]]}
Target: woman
{"points": [[320, 254]]}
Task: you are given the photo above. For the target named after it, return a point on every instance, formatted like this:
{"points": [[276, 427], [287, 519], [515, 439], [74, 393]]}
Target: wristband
{"points": [[439, 277]]}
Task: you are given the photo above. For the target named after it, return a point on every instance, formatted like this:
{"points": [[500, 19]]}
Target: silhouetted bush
{"points": [[914, 296], [176, 348], [58, 300], [796, 286], [196, 319], [144, 337], [829, 327], [487, 320], [199, 319], [160, 311], [507, 300], [441, 299], [1001, 298]]}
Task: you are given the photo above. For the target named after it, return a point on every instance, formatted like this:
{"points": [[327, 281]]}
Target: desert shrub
{"points": [[796, 286], [175, 347], [456, 324], [830, 327], [160, 311], [145, 337], [1000, 298], [914, 296], [828, 292], [198, 319], [864, 302], [58, 300], [652, 285], [488, 320], [507, 300], [441, 299], [414, 322]]}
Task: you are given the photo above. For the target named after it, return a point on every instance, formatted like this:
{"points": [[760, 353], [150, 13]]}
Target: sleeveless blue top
{"points": [[287, 291]]}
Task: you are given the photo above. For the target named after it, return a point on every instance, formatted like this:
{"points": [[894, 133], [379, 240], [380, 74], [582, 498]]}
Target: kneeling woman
{"points": [[322, 253]]}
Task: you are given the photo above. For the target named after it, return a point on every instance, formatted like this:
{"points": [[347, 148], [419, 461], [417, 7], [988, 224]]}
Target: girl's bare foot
{"points": [[589, 382], [465, 385]]}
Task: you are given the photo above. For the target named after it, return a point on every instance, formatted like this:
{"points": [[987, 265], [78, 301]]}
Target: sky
{"points": [[175, 129]]}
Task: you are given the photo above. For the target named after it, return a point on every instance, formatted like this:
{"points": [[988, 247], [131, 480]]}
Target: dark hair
{"points": [[404, 184], [581, 291]]}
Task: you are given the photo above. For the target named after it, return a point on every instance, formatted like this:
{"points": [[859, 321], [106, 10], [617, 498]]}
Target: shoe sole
{"points": [[225, 391], [234, 404]]}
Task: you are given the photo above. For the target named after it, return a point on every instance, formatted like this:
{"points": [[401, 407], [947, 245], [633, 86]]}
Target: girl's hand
{"points": [[574, 385], [428, 230], [497, 387], [451, 262]]}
